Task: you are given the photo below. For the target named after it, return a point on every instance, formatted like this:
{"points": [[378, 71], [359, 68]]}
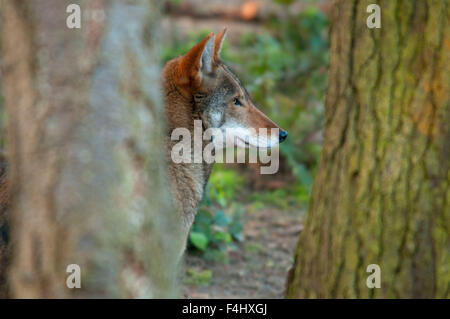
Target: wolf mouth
{"points": [[247, 144]]}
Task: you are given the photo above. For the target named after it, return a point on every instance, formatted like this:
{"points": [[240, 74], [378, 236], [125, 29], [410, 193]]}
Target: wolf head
{"points": [[217, 97]]}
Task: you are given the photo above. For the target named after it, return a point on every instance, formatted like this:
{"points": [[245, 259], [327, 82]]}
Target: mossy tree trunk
{"points": [[381, 194], [87, 174]]}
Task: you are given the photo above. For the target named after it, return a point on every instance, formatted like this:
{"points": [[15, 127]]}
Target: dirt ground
{"points": [[259, 266]]}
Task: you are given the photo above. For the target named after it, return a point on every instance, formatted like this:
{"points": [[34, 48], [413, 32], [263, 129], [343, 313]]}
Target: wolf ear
{"points": [[197, 60], [218, 41]]}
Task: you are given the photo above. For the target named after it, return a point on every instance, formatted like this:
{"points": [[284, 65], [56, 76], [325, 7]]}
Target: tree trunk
{"points": [[381, 194], [86, 170], [4, 227]]}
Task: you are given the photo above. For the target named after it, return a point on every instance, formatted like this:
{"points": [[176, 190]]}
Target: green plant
{"points": [[213, 232], [197, 277], [223, 185], [218, 221], [296, 196]]}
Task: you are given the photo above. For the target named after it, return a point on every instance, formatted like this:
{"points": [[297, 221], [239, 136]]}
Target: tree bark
{"points": [[4, 227], [381, 194], [87, 173]]}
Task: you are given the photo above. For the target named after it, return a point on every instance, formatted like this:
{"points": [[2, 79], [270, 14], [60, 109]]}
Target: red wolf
{"points": [[199, 86]]}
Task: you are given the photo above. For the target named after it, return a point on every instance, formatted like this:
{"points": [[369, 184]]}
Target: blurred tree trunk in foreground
{"points": [[87, 173], [4, 227], [381, 194]]}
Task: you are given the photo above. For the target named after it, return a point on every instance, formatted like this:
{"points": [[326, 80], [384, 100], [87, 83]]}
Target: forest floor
{"points": [[260, 264]]}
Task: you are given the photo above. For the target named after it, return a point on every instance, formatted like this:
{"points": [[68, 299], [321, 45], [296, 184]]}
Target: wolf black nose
{"points": [[283, 135]]}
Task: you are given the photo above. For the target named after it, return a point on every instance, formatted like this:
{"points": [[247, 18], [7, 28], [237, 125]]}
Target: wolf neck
{"points": [[188, 180]]}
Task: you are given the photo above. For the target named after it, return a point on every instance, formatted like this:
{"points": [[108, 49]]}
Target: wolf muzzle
{"points": [[283, 135]]}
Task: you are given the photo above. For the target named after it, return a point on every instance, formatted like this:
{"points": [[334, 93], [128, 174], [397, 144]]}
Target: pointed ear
{"points": [[218, 43], [206, 65], [197, 60]]}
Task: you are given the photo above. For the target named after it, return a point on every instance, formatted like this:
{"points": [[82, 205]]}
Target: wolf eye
{"points": [[237, 102]]}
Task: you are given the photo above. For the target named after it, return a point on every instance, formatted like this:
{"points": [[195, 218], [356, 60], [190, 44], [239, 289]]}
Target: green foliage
{"points": [[218, 221], [198, 240], [213, 232], [198, 277], [284, 198], [285, 2], [223, 185]]}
